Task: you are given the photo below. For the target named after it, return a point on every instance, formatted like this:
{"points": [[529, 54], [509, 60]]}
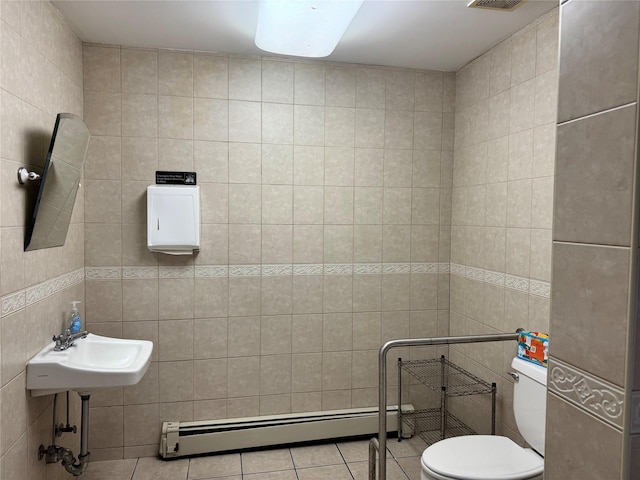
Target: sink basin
{"points": [[91, 363]]}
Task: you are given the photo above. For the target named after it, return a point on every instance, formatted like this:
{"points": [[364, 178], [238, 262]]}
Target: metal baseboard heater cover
{"points": [[181, 439]]}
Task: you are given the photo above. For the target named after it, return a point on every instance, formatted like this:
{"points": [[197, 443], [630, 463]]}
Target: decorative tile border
{"points": [[588, 392], [512, 282], [132, 273], [13, 302], [209, 271], [103, 273], [23, 298]]}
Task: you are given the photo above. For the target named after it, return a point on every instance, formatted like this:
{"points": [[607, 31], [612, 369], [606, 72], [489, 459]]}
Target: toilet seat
{"points": [[481, 457]]}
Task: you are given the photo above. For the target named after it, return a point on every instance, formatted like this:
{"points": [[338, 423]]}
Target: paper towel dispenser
{"points": [[173, 219]]}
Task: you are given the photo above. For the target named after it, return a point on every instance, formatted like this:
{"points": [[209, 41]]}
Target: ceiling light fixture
{"points": [[303, 28]]}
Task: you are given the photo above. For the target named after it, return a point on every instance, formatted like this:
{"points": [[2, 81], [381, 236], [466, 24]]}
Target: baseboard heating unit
{"points": [[181, 439]]}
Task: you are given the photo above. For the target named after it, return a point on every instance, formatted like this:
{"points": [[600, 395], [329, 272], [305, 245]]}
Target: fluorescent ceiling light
{"points": [[303, 28]]}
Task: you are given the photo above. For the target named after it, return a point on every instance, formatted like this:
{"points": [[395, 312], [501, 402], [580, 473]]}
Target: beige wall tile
{"points": [[308, 165], [277, 164], [308, 244], [245, 244], [175, 297], [245, 124], [102, 113], [245, 203], [367, 295], [593, 198], [277, 244], [277, 295], [308, 125], [211, 119], [244, 296], [396, 243], [277, 123], [522, 107], [339, 166], [211, 297], [585, 58], [175, 117], [139, 157], [141, 424], [275, 374], [369, 167], [101, 66], [307, 294], [337, 293], [245, 81], [277, 81], [243, 377], [210, 338], [210, 379], [175, 341], [590, 283], [309, 84], [175, 381], [175, 73], [523, 55], [596, 454], [277, 204], [139, 70], [340, 86], [369, 128], [398, 129], [500, 67], [339, 127], [210, 76], [370, 88], [140, 299], [338, 243]]}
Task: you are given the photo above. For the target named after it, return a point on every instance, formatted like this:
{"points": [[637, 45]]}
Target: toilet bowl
{"points": [[491, 457], [480, 457]]}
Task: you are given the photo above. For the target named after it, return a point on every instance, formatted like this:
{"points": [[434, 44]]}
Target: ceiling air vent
{"points": [[496, 4]]}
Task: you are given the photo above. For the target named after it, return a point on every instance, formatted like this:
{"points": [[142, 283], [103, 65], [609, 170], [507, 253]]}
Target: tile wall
{"points": [[591, 405], [40, 75], [326, 199], [502, 206]]}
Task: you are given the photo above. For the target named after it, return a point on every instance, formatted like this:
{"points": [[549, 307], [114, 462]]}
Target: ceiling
{"points": [[425, 34]]}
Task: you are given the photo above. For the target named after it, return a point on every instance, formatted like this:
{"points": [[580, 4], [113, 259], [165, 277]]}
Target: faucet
{"points": [[66, 339]]}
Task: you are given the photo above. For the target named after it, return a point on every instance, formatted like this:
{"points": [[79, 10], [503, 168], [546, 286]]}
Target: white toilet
{"points": [[492, 457]]}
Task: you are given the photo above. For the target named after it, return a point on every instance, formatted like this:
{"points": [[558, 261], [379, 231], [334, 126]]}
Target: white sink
{"points": [[91, 363]]}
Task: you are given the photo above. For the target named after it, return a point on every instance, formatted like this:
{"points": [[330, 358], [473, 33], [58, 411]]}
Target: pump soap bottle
{"points": [[75, 322]]}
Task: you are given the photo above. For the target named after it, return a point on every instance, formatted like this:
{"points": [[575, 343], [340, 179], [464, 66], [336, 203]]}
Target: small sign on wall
{"points": [[176, 178]]}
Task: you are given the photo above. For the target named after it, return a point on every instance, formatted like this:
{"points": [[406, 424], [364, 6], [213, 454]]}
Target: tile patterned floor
{"points": [[331, 461]]}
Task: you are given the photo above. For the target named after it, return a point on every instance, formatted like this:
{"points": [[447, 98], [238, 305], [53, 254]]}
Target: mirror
{"points": [[59, 184]]}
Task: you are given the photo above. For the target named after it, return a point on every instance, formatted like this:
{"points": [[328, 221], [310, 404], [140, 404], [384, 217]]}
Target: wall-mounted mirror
{"points": [[48, 225]]}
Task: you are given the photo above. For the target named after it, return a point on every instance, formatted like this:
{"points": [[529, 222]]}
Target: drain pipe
{"points": [[68, 460], [55, 453]]}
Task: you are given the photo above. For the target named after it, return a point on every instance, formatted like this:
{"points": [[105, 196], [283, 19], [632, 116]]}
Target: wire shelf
{"points": [[458, 382], [426, 424]]}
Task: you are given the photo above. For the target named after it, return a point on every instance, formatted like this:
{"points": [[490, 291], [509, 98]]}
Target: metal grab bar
{"points": [[380, 444]]}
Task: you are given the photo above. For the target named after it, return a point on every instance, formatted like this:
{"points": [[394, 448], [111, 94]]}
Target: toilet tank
{"points": [[530, 402]]}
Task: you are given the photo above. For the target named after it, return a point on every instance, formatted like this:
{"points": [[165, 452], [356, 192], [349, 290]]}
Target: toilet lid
{"points": [[482, 457]]}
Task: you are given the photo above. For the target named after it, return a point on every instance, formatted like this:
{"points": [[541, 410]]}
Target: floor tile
{"points": [[110, 470], [357, 451], [409, 447], [266, 461], [215, 466], [316, 455], [411, 466], [331, 472], [152, 468], [281, 475], [360, 470]]}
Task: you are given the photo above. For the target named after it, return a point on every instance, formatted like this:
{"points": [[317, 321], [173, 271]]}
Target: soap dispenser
{"points": [[75, 322]]}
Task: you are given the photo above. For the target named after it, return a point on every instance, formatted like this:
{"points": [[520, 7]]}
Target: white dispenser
{"points": [[173, 219]]}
